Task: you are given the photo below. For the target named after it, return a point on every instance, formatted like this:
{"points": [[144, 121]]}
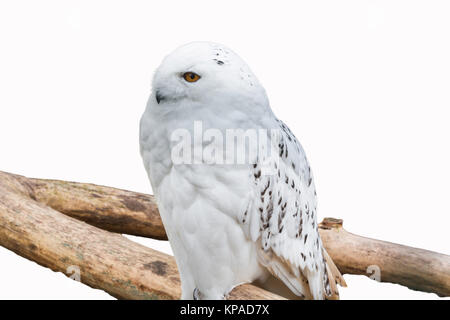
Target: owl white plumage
{"points": [[231, 222]]}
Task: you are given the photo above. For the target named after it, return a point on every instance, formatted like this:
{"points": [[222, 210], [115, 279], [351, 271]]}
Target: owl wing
{"points": [[281, 217]]}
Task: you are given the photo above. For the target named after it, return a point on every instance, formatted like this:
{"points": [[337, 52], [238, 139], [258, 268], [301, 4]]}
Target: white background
{"points": [[364, 85]]}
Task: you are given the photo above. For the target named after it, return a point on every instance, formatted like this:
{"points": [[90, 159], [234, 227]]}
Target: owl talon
{"points": [[196, 294]]}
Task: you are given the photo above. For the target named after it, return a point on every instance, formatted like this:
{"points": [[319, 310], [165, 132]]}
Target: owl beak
{"points": [[159, 96]]}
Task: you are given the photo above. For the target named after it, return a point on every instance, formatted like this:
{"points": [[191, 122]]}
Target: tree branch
{"points": [[137, 214], [107, 261], [414, 268], [107, 208]]}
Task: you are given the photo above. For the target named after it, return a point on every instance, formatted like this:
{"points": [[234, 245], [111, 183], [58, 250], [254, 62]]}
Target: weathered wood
{"points": [[106, 260], [108, 208], [134, 213], [414, 268]]}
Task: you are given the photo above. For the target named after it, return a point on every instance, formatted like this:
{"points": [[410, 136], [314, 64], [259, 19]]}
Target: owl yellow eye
{"points": [[191, 77]]}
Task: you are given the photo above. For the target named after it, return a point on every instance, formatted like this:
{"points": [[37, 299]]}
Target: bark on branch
{"points": [[414, 268], [23, 199], [107, 261]]}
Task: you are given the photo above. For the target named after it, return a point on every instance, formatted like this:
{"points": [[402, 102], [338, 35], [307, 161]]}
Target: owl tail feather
{"points": [[334, 278], [303, 283]]}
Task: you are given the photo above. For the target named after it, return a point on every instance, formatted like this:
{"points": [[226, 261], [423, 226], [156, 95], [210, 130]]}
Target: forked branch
{"points": [[32, 226]]}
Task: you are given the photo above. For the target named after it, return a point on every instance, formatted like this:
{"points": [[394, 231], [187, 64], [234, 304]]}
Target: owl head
{"points": [[205, 73]]}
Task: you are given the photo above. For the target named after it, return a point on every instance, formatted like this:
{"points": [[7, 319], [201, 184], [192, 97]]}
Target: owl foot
{"points": [[196, 294]]}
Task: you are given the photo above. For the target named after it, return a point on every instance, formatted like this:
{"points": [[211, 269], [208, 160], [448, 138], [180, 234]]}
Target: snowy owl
{"points": [[231, 217]]}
